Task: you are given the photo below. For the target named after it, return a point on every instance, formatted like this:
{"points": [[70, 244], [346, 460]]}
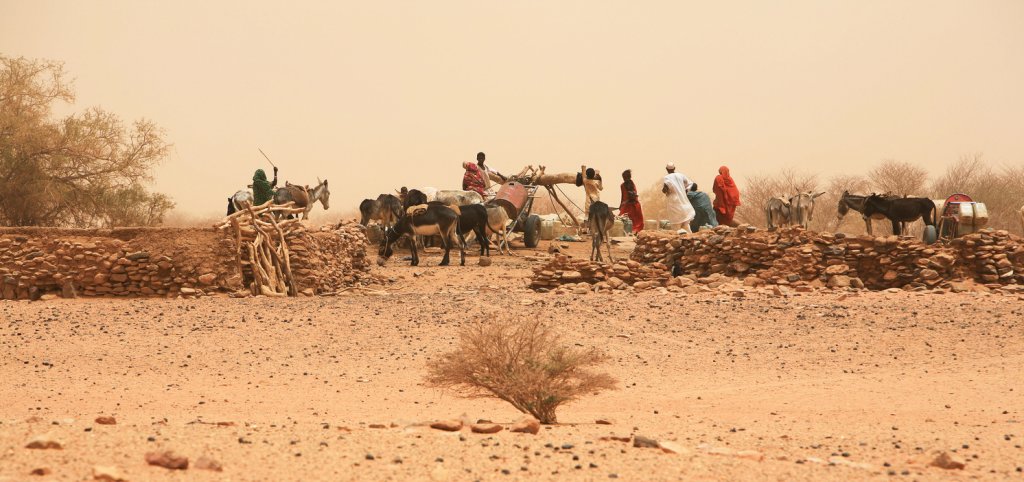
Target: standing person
{"points": [[727, 197], [489, 174], [592, 186], [473, 179], [680, 211], [263, 191], [705, 213], [630, 204]]}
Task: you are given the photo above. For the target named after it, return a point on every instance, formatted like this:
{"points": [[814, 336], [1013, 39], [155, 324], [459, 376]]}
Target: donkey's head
{"points": [[322, 193]]}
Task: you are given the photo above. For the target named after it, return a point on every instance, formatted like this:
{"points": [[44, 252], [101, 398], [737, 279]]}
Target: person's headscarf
{"points": [[473, 179], [261, 189], [725, 188]]}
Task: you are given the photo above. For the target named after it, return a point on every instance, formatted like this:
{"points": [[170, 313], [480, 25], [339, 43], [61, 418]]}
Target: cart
{"points": [[517, 200], [960, 215]]}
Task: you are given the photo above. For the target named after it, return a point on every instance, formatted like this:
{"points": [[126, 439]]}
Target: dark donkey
{"points": [[855, 202], [426, 220], [900, 210], [601, 221]]}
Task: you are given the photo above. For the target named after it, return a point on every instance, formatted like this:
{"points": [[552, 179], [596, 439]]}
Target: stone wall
{"points": [[45, 262], [798, 257], [116, 262]]}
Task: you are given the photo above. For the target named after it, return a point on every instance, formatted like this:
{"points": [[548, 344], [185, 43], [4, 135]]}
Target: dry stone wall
{"points": [[138, 262], [800, 259]]}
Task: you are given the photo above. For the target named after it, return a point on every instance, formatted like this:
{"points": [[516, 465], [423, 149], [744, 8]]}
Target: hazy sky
{"points": [[377, 94]]}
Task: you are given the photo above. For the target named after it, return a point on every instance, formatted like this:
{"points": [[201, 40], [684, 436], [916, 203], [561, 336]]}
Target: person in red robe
{"points": [[473, 179], [727, 197], [630, 204]]}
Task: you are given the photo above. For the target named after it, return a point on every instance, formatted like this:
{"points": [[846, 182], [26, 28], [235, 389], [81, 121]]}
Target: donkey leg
{"points": [[462, 251], [447, 245], [607, 242]]}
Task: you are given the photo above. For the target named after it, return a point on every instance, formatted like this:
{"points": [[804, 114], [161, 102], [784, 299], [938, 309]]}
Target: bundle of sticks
{"points": [[261, 244]]}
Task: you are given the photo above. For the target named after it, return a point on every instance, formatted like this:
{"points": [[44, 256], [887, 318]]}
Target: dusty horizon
{"points": [[373, 97]]}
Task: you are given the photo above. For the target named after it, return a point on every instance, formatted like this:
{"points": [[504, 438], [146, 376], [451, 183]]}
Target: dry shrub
{"points": [[898, 177], [757, 190], [523, 363]]}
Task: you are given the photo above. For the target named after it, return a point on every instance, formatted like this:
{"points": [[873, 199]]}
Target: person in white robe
{"points": [[678, 208]]}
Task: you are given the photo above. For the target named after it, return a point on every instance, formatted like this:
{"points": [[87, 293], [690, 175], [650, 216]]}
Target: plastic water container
{"points": [[980, 214], [547, 229]]}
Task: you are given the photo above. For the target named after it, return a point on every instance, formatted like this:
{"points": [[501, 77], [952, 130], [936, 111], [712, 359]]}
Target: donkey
{"points": [[426, 220], [459, 198], [855, 202], [801, 207], [304, 197], [473, 218], [901, 210], [386, 209], [777, 213], [414, 197], [239, 201], [601, 221], [497, 224]]}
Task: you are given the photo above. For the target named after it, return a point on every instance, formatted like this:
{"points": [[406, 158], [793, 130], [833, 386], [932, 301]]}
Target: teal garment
{"points": [[262, 190], [705, 211]]}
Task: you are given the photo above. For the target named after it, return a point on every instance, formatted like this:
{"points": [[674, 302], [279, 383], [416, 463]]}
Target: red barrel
{"points": [[512, 196]]}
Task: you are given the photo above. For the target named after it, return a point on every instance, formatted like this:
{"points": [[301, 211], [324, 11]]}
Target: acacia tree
{"points": [[83, 170]]}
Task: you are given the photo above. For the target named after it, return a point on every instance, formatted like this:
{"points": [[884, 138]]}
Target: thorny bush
{"points": [[523, 363]]}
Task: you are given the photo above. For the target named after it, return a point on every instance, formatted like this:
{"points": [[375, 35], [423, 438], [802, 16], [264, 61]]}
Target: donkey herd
{"points": [[799, 209], [452, 215]]}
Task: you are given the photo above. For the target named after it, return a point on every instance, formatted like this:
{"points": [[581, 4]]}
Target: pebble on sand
{"points": [[168, 460], [106, 420], [107, 474], [447, 425], [206, 463], [44, 442], [645, 443], [528, 425], [485, 428], [949, 461]]}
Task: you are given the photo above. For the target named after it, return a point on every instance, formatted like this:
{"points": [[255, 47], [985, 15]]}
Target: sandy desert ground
{"points": [[818, 386]]}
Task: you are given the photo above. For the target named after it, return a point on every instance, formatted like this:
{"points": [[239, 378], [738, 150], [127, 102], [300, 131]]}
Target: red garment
{"points": [[727, 197], [630, 206], [473, 179]]}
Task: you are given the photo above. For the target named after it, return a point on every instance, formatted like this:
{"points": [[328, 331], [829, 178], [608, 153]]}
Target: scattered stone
{"points": [[527, 425], [167, 459], [41, 471], [485, 261], [645, 443], [207, 463], [107, 474], [106, 420], [44, 442], [949, 461], [447, 425], [486, 428], [604, 421]]}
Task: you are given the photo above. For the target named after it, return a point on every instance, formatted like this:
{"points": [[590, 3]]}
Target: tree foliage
{"points": [[86, 169]]}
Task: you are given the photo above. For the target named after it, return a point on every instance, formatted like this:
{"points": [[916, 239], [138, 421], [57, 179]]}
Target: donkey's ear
{"points": [[325, 182], [818, 194]]}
